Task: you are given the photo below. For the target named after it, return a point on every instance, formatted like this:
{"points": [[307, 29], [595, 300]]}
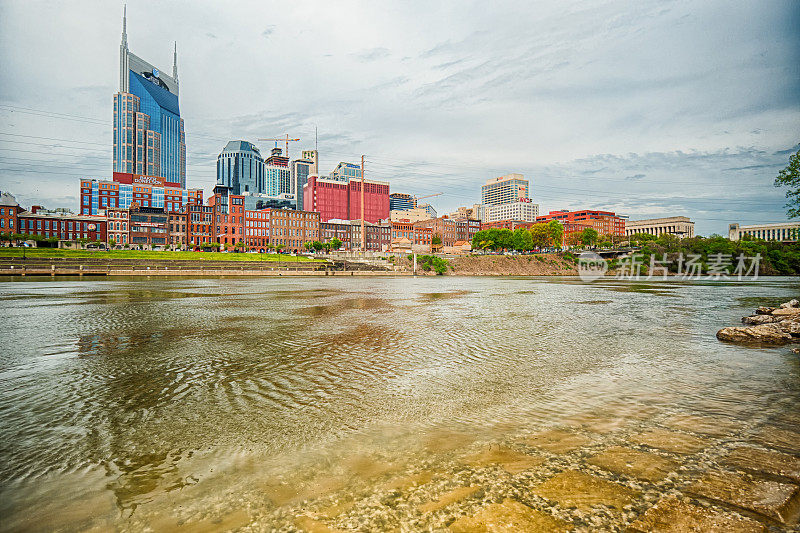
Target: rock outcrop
{"points": [[769, 326]]}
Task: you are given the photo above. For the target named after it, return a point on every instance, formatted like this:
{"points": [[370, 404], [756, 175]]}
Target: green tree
{"points": [[436, 240], [431, 262], [790, 177], [556, 230], [639, 239], [308, 245], [336, 243], [589, 237], [112, 243], [481, 240], [317, 245], [527, 241], [505, 239], [540, 235], [519, 239]]}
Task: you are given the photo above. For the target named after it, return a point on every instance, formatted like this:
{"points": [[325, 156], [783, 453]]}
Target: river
{"points": [[213, 404]]}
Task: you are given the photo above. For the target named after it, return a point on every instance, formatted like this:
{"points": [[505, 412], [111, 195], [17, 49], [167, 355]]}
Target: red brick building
{"points": [[228, 217], [342, 200], [61, 225], [9, 211], [118, 230], [605, 222], [287, 228], [200, 227], [451, 230], [336, 229]]}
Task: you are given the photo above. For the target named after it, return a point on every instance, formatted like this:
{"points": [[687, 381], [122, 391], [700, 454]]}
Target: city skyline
{"points": [[643, 152]]}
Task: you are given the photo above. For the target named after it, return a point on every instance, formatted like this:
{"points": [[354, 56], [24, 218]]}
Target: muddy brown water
{"points": [[391, 404]]}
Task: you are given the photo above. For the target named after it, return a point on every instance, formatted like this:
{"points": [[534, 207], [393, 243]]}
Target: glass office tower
{"points": [[149, 137]]}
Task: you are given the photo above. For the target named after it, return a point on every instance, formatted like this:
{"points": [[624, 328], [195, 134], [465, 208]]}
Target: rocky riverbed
{"points": [[657, 471], [768, 326]]}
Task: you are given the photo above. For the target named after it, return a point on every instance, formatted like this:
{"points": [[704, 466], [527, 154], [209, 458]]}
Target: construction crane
{"points": [[418, 198], [285, 139]]}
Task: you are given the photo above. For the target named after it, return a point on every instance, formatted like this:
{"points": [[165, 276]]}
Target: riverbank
{"points": [[140, 255], [513, 265]]}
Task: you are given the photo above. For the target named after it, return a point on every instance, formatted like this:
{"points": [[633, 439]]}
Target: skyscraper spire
{"points": [[125, 25], [175, 62], [123, 53]]}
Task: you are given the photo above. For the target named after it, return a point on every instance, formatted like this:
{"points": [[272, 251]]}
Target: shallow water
{"points": [[265, 403]]}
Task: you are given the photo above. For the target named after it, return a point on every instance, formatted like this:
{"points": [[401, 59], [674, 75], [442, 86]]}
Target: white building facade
{"points": [[520, 211], [678, 226], [782, 231]]}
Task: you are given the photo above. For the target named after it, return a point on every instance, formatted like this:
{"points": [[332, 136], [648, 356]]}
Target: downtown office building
{"points": [[149, 138]]}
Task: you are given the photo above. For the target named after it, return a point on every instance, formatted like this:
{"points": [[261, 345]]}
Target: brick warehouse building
{"points": [[61, 225], [200, 226], [118, 230], [9, 213], [149, 226], [287, 228], [336, 229], [605, 222], [228, 217], [450, 230], [334, 199], [378, 236]]}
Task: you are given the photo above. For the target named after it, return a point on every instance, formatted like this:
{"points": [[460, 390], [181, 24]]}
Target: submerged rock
{"points": [[674, 515], [642, 465], [508, 516], [572, 488], [765, 310], [768, 498]]}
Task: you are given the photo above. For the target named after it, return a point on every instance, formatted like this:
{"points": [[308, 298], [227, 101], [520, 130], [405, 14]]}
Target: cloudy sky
{"points": [[644, 108]]}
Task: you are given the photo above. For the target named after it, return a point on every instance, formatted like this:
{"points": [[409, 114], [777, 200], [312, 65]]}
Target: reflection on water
{"points": [[370, 404]]}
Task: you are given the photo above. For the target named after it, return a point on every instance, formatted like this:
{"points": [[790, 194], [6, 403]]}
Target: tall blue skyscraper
{"points": [[148, 128]]}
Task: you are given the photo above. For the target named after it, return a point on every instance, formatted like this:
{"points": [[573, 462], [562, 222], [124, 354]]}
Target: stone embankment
{"points": [[514, 265], [57, 266], [768, 326]]}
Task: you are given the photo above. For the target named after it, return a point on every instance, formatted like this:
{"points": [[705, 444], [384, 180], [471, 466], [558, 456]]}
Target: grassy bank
{"points": [[47, 253]]}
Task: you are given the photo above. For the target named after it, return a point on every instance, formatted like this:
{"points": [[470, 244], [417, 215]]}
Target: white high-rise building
{"points": [[505, 190], [525, 211]]}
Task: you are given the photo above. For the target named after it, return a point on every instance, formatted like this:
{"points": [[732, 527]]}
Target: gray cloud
{"points": [[373, 54], [645, 108]]}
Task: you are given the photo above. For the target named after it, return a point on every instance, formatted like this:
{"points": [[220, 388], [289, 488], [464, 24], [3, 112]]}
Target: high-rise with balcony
{"points": [[505, 190], [148, 129]]}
